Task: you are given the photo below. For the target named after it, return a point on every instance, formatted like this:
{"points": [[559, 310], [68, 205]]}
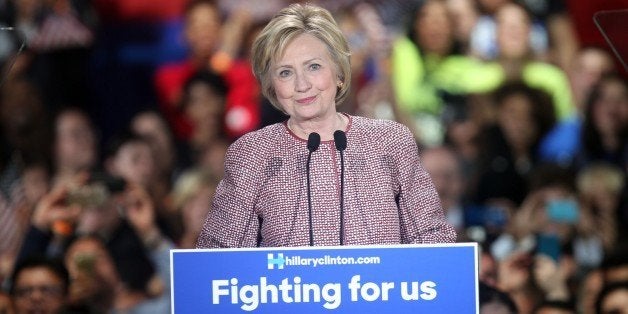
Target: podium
{"points": [[440, 278]]}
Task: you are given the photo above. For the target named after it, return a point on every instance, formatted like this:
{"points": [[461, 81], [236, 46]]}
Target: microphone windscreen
{"points": [[313, 141], [340, 139]]}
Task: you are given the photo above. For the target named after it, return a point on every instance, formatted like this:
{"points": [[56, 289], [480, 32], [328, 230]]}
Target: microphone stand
{"points": [[340, 139], [313, 141]]}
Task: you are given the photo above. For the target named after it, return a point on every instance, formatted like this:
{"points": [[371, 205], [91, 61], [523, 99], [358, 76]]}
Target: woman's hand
{"points": [[528, 219], [140, 212], [551, 276], [53, 214]]}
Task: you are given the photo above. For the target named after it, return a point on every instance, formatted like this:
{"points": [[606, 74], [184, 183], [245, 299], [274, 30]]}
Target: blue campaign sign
{"points": [[441, 278]]}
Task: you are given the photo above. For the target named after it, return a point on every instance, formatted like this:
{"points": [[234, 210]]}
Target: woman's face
{"points": [[610, 110], [153, 128], [513, 31], [134, 162], [305, 81], [588, 68], [204, 105], [39, 290], [515, 120], [89, 257], [433, 28], [465, 16], [75, 144], [202, 29]]}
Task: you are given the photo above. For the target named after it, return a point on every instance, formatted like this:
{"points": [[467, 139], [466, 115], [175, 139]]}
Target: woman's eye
{"points": [[315, 66], [284, 73]]}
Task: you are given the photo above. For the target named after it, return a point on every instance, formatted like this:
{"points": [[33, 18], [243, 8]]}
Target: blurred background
{"points": [[115, 116]]}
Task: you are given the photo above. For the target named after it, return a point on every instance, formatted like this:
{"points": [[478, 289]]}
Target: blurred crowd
{"points": [[115, 116]]}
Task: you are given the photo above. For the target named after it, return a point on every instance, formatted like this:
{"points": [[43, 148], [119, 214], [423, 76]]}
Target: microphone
{"points": [[313, 141], [340, 139]]}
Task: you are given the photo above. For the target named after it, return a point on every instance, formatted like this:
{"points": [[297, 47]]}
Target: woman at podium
{"points": [[321, 177]]}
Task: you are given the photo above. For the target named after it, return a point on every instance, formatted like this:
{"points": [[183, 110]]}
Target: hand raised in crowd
{"points": [[529, 218], [514, 272], [140, 213], [231, 38], [551, 276], [599, 209], [53, 213]]}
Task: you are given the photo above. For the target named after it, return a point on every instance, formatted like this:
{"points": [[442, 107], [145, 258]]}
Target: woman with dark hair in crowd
{"points": [[523, 116], [605, 130]]}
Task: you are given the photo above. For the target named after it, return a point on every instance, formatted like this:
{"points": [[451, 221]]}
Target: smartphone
{"points": [[92, 195], [562, 210], [113, 184], [85, 262], [548, 245]]}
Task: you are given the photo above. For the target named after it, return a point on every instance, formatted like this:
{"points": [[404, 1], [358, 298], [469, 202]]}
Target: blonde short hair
{"points": [[601, 175], [189, 183], [289, 23]]}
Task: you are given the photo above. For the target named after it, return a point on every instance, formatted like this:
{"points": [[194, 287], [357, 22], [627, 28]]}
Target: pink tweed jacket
{"points": [[388, 197]]}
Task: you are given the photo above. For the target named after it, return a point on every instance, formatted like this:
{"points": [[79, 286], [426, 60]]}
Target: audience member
{"points": [[563, 143], [509, 147], [370, 42], [599, 188], [517, 62], [555, 307], [614, 268], [429, 72], [23, 119], [553, 272], [551, 215], [553, 15], [39, 285], [154, 128], [590, 286], [191, 198], [201, 32], [24, 134], [613, 299], [433, 65], [445, 168], [515, 277], [484, 36], [465, 15], [494, 301], [203, 104], [124, 216], [587, 68], [213, 157], [5, 303], [130, 157], [604, 134], [99, 284], [75, 147], [215, 46]]}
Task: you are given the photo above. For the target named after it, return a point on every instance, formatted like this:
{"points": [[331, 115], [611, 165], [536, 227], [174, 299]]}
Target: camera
{"points": [[562, 210], [96, 191]]}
